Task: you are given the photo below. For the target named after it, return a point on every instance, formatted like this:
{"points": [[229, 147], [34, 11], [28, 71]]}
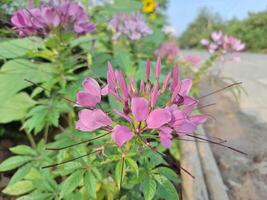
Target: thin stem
{"points": [[59, 95], [122, 169], [219, 90], [64, 162], [31, 140], [219, 144], [82, 142], [46, 131]]}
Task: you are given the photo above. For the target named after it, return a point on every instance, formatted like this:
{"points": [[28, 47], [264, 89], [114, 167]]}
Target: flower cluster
{"points": [[220, 41], [168, 50], [44, 19], [141, 109], [131, 25]]}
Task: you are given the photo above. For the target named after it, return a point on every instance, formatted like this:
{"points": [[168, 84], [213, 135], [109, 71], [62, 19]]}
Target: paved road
{"points": [[243, 125], [252, 71]]}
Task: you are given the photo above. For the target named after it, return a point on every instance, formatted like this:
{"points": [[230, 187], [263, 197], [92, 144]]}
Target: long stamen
{"points": [[72, 145], [188, 140], [233, 149], [38, 85], [205, 106], [219, 90], [57, 164], [212, 137]]}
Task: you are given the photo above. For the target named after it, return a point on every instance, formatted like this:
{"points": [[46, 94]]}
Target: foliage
{"points": [[205, 23], [251, 30]]}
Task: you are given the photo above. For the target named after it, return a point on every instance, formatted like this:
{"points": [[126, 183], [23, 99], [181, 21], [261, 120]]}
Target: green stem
{"points": [[31, 140], [205, 66], [46, 130]]}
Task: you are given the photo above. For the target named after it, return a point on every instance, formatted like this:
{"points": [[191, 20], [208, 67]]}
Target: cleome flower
{"points": [[142, 110], [42, 20], [220, 41], [168, 50], [133, 26]]}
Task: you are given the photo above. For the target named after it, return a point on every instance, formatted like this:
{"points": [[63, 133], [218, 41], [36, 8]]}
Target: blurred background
{"points": [[244, 122]]}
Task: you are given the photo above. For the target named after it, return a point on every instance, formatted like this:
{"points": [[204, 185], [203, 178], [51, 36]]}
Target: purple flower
{"points": [[140, 108], [42, 20], [223, 43], [168, 50], [133, 26]]}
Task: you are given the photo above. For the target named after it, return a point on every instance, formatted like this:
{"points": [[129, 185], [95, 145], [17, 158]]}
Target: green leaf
{"points": [[133, 165], [169, 173], [120, 6], [149, 188], [13, 162], [23, 150], [166, 189], [118, 172], [37, 195], [19, 47], [71, 183], [13, 73], [99, 66], [123, 60], [33, 174], [15, 107], [42, 115], [20, 174], [19, 188], [90, 184]]}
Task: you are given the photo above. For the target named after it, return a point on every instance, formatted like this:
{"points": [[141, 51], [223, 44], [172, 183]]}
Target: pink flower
{"points": [[168, 50], [140, 107], [223, 43], [42, 20]]}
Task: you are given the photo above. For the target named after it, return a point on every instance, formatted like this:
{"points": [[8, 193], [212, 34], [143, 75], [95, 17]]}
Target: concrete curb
{"points": [[198, 158]]}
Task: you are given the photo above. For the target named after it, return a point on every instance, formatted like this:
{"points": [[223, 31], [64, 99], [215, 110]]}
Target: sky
{"points": [[182, 12]]}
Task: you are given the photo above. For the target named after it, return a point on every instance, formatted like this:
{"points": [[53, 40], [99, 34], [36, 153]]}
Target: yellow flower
{"points": [[149, 6]]}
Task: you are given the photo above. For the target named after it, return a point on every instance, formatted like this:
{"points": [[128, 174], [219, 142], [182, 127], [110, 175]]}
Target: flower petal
{"points": [[165, 139], [91, 86], [184, 127], [158, 117], [121, 134], [186, 85], [104, 90], [198, 119], [139, 106], [165, 136], [87, 99], [90, 120]]}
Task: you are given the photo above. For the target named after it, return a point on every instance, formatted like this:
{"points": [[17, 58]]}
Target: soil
{"points": [[244, 177]]}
